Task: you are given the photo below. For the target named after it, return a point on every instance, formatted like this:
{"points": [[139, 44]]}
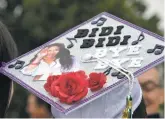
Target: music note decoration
{"points": [[18, 64], [157, 50], [106, 72], [118, 75], [99, 22], [71, 43], [140, 38]]}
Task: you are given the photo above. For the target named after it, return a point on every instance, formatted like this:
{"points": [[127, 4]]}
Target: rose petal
{"points": [[46, 85], [82, 74], [94, 76], [54, 92], [81, 95], [72, 81], [95, 87], [70, 99], [66, 83], [57, 88], [63, 100], [102, 82], [93, 83], [56, 82], [103, 79], [63, 94]]}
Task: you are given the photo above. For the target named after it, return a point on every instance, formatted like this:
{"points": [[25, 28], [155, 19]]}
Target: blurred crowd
{"points": [[37, 108], [153, 92]]}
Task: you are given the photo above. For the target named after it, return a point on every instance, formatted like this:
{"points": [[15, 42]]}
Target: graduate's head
{"points": [[37, 108], [8, 51], [152, 92]]}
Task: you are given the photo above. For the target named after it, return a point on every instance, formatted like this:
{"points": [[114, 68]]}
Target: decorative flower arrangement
{"points": [[73, 86]]}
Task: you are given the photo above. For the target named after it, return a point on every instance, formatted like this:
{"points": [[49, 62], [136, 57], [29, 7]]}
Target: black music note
{"points": [[140, 38], [71, 44], [18, 64], [118, 75], [106, 72], [99, 22], [157, 50]]}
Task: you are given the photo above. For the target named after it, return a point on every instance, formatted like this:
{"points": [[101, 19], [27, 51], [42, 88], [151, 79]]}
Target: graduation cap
{"points": [[104, 45]]}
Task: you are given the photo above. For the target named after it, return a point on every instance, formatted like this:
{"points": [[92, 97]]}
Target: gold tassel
{"points": [[127, 113]]}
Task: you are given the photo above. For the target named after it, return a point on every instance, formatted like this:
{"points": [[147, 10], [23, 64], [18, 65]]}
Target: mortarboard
{"points": [[106, 51]]}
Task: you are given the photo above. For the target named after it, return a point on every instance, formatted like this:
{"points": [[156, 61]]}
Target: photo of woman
{"points": [[54, 59]]}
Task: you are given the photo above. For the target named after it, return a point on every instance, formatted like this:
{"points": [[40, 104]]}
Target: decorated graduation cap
{"points": [[87, 62]]}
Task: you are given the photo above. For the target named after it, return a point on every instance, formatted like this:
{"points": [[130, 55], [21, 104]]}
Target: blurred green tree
{"points": [[34, 22]]}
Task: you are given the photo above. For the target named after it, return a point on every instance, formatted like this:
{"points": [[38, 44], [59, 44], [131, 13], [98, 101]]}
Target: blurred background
{"points": [[34, 22]]}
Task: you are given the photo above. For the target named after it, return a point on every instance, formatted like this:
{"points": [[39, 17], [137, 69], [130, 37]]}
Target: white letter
{"points": [[118, 62], [117, 50], [100, 53], [134, 50], [136, 62], [100, 65]]}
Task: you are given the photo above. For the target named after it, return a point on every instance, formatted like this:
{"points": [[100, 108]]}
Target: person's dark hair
{"points": [[43, 103], [66, 60], [8, 51]]}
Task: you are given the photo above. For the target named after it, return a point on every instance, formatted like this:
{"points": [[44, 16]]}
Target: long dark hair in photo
{"points": [[64, 56], [8, 51], [66, 60]]}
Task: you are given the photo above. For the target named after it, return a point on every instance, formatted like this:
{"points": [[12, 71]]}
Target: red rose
{"points": [[81, 74], [49, 82], [70, 87], [55, 88], [96, 81]]}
